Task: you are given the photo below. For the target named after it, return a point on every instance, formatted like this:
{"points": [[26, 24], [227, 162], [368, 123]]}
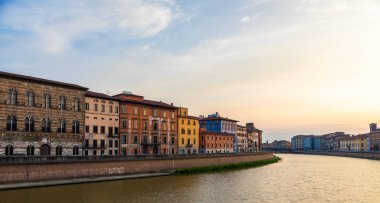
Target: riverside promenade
{"points": [[41, 171]]}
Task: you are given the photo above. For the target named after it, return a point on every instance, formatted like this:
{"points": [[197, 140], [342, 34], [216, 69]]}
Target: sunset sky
{"points": [[291, 67]]}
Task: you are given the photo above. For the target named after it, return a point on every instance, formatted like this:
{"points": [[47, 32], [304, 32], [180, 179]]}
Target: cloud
{"points": [[56, 25], [247, 19]]}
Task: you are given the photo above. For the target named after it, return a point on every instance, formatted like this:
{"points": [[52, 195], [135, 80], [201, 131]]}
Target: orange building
{"points": [[146, 126], [215, 142]]}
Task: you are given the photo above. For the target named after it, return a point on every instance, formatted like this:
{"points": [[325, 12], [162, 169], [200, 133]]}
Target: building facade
{"points": [[297, 142], [147, 127], [188, 132], [215, 142], [356, 143], [242, 138], [102, 125], [40, 117], [255, 138], [216, 123]]}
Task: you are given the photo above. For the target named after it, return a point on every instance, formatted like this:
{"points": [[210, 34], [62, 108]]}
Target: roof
{"points": [[190, 117], [218, 118], [100, 95], [40, 80], [149, 103], [215, 133]]}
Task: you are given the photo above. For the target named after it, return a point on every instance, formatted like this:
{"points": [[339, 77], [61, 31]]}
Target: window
{"points": [[116, 131], [188, 122], [145, 125], [183, 140], [86, 143], [155, 126], [102, 143], [47, 101], [94, 153], [135, 124], [124, 139], [124, 123], [173, 126], [165, 140], [76, 104], [11, 123], [58, 150], [194, 131], [116, 144], [188, 131], [164, 125], [62, 102], [46, 125], [86, 152], [61, 126], [87, 129], [95, 144], [103, 108], [172, 114], [111, 109], [183, 121], [12, 94], [110, 143], [29, 124], [135, 110], [124, 109], [87, 106], [30, 150], [183, 131], [116, 109], [194, 141], [173, 139], [110, 131], [95, 129], [110, 152], [164, 114], [30, 99], [155, 112], [76, 151], [135, 139], [75, 127], [95, 107], [9, 150], [144, 112], [102, 130]]}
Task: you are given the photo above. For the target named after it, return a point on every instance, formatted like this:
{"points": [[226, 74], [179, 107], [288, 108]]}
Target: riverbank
{"points": [[227, 167], [361, 155]]}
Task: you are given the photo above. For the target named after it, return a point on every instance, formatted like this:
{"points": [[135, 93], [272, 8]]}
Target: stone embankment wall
{"points": [[364, 155], [45, 170]]}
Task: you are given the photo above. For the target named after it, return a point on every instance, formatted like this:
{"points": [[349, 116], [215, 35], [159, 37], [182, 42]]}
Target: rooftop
{"points": [[40, 80]]}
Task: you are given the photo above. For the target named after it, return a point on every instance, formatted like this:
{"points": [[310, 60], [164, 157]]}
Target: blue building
{"points": [[218, 124], [311, 143]]}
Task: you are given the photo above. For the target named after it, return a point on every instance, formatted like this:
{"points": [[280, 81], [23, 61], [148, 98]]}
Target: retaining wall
{"points": [[40, 171]]}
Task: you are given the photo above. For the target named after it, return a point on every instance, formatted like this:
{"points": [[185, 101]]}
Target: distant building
{"points": [[277, 145], [215, 142], [354, 143], [255, 137], [242, 138], [188, 132], [297, 142]]}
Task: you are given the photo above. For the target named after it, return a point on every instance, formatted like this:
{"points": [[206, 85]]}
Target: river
{"points": [[297, 178]]}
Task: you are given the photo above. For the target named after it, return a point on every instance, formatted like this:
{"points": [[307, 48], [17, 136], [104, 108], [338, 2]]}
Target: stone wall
{"points": [[30, 172], [364, 155]]}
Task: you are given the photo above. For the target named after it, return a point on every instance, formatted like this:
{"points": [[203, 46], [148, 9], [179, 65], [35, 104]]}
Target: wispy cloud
{"points": [[54, 26]]}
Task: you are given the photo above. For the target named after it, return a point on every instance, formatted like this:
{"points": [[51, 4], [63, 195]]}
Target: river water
{"points": [[297, 178]]}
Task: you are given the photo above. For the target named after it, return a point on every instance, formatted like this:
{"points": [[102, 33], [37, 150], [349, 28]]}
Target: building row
{"points": [[45, 117], [339, 141]]}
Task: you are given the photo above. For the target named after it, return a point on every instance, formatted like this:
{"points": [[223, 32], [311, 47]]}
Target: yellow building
{"points": [[188, 132], [354, 143]]}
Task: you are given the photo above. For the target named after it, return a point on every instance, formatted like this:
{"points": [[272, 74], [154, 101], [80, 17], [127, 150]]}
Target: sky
{"points": [[291, 67]]}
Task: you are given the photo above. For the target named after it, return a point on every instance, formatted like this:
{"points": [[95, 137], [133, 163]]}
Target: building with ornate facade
{"points": [[102, 125], [146, 126], [215, 142], [40, 117], [188, 132]]}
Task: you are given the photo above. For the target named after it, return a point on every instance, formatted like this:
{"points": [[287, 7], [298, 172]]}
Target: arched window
{"points": [[47, 101], [58, 150], [11, 123], [30, 150], [188, 131], [76, 151], [62, 102], [29, 124], [30, 99], [9, 150], [61, 126], [183, 131], [76, 104], [75, 127], [45, 150], [12, 97], [46, 125]]}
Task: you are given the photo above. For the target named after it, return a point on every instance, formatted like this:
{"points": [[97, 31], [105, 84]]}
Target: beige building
{"points": [[356, 143], [242, 138], [40, 117], [102, 125]]}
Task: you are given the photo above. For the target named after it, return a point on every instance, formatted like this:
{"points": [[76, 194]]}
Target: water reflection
{"points": [[297, 178]]}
